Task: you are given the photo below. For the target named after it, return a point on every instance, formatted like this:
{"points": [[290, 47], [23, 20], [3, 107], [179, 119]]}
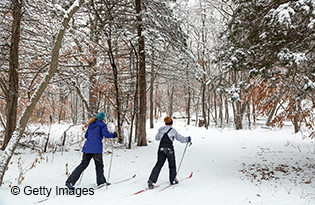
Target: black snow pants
{"points": [[99, 168], [163, 154]]}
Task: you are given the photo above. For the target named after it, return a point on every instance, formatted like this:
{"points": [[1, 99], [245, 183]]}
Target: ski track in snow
{"points": [[216, 158]]}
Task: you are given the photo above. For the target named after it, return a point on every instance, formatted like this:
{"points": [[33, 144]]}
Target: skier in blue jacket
{"points": [[93, 148]]}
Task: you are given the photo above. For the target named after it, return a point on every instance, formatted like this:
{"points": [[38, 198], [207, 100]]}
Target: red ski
{"points": [[168, 186], [156, 186], [146, 189]]}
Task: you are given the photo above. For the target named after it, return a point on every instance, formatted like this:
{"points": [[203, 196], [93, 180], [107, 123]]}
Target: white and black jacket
{"points": [[172, 134]]}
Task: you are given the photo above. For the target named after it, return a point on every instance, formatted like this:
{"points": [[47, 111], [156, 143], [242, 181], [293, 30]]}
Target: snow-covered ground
{"points": [[230, 167]]}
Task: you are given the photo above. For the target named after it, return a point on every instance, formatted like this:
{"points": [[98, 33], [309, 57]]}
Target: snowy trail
{"points": [[216, 158]]}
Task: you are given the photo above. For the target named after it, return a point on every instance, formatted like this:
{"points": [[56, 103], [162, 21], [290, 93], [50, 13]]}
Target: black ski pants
{"points": [[99, 168], [163, 154]]}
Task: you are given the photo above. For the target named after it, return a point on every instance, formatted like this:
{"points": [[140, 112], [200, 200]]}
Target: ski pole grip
{"points": [[189, 141]]}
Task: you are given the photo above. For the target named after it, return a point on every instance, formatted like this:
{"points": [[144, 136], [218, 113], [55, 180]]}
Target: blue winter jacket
{"points": [[94, 136]]}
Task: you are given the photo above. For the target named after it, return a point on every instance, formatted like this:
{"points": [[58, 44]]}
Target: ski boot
{"points": [[150, 184], [104, 184], [69, 185], [174, 182]]}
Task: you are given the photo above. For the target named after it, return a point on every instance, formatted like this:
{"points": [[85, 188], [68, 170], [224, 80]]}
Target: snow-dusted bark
{"points": [[9, 150], [142, 140], [11, 93], [84, 100]]}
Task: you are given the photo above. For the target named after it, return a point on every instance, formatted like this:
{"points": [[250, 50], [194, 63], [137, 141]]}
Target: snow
{"points": [[299, 58], [229, 168], [3, 2], [74, 5], [311, 24], [283, 13]]}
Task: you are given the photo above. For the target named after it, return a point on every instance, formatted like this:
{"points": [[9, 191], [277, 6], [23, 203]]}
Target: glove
{"points": [[115, 134], [189, 139]]}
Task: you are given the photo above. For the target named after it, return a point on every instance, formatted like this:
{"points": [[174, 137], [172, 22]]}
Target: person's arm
{"points": [[105, 131], [159, 136], [180, 137]]}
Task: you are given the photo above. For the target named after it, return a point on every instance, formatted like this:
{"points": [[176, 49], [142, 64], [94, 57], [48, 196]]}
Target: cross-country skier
{"points": [[93, 148], [166, 135]]}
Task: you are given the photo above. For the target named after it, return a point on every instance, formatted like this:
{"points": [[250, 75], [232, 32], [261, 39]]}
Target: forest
{"points": [[219, 63]]}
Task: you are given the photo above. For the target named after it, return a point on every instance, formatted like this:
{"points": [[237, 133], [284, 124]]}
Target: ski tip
{"points": [[191, 174], [134, 175], [139, 192]]}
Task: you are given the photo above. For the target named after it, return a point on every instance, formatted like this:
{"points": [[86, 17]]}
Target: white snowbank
{"points": [[224, 163]]}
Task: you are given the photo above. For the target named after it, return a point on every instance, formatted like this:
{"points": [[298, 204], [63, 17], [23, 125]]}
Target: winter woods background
{"points": [[214, 62]]}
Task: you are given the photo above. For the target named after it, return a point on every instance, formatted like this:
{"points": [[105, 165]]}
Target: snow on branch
{"points": [[72, 7], [283, 14]]}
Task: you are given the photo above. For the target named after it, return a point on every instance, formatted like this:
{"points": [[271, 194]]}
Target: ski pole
{"points": [[183, 156], [81, 178], [111, 160]]}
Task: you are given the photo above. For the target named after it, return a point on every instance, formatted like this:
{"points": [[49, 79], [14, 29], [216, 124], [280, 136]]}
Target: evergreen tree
{"points": [[275, 40]]}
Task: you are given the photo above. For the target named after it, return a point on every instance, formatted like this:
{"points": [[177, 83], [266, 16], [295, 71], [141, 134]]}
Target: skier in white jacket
{"points": [[166, 135]]}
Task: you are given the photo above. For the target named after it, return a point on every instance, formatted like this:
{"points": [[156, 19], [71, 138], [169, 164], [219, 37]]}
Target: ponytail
{"points": [[90, 121]]}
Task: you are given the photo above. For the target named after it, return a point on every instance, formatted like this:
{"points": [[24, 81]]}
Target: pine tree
{"points": [[274, 39]]}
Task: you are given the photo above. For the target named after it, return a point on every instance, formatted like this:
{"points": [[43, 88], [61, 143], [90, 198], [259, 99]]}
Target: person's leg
{"points": [[158, 166], [73, 178], [99, 168], [171, 165]]}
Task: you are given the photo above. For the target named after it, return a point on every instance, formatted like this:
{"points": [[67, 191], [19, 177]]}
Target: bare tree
{"points": [[12, 89], [17, 134], [142, 140]]}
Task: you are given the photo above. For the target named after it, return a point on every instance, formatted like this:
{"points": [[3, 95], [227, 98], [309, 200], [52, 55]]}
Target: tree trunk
{"points": [[83, 99], [74, 106], [63, 100], [133, 113], [189, 101], [271, 114], [248, 115], [196, 105], [273, 110], [254, 114], [203, 99], [215, 106], [151, 93], [227, 116], [115, 73], [136, 107], [134, 116], [157, 102], [238, 116], [13, 88], [296, 120], [221, 109], [17, 134], [142, 79], [92, 97], [171, 102]]}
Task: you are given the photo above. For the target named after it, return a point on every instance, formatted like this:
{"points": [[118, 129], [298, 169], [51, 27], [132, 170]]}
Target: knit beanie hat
{"points": [[100, 115], [168, 120]]}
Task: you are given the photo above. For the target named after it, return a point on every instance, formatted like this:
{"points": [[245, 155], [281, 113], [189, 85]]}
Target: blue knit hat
{"points": [[100, 115]]}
